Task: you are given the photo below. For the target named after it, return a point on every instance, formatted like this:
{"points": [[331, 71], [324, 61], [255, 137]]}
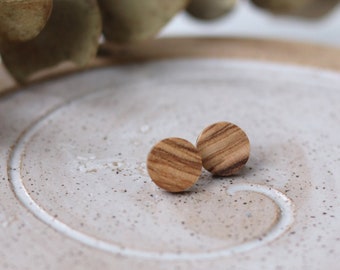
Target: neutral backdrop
{"points": [[246, 20]]}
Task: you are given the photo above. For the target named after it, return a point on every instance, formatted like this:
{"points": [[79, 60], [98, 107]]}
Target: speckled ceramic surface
{"points": [[75, 193]]}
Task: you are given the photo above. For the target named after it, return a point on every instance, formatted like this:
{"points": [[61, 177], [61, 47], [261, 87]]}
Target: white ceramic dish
{"points": [[75, 193]]}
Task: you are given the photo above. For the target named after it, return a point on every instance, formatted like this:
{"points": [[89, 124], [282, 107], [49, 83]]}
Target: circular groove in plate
{"points": [[282, 201]]}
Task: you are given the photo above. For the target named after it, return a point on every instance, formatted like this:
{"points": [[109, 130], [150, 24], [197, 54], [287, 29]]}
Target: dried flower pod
{"points": [[209, 10], [311, 9], [72, 33], [22, 20], [317, 8], [281, 6], [131, 20]]}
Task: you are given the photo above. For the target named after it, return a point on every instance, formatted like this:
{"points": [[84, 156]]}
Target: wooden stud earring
{"points": [[224, 148], [174, 164]]}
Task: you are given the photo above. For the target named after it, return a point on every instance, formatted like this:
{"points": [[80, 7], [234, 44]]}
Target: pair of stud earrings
{"points": [[174, 164]]}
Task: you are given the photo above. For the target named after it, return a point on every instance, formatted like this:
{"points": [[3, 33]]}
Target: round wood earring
{"points": [[174, 164], [224, 148]]}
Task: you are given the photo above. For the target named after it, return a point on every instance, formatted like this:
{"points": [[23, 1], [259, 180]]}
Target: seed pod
{"points": [[281, 6], [23, 20], [72, 33], [311, 9], [317, 9], [210, 9], [131, 20]]}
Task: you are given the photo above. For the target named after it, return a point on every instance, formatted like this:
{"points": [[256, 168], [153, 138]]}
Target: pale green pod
{"points": [[71, 34], [22, 20], [281, 6], [209, 10], [317, 9], [135, 20], [311, 9]]}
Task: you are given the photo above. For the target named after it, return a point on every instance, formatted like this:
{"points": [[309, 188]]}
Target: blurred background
{"points": [[28, 35], [247, 20]]}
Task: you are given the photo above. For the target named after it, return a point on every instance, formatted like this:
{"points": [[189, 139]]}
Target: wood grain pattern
{"points": [[174, 164], [224, 148]]}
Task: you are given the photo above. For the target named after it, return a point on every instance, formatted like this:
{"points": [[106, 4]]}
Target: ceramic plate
{"points": [[75, 192]]}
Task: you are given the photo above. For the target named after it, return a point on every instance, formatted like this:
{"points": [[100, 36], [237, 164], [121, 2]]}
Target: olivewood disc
{"points": [[174, 164], [224, 148]]}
